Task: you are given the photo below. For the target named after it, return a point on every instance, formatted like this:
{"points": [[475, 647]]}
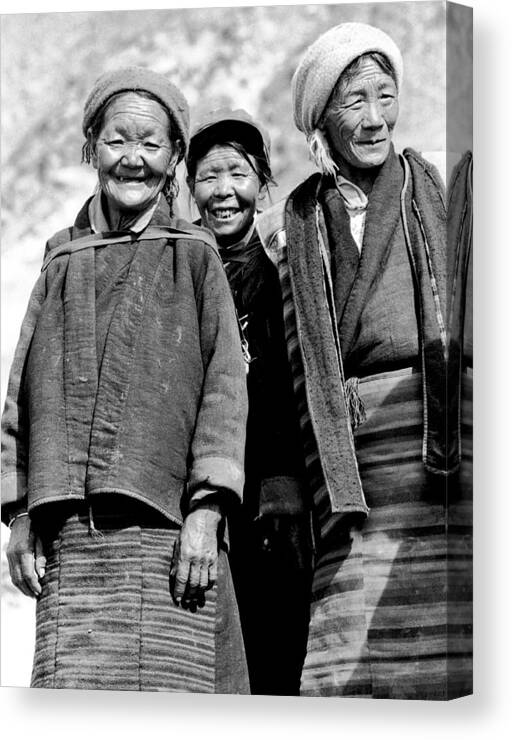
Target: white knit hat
{"points": [[324, 61]]}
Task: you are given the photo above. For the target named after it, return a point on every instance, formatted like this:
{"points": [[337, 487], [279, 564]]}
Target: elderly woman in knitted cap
{"points": [[124, 425], [360, 249], [270, 551]]}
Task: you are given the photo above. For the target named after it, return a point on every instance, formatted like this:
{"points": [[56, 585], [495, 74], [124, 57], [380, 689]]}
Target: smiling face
{"points": [[360, 117], [133, 153], [226, 189]]}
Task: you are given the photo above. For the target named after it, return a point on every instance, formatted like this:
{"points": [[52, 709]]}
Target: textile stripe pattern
{"points": [[106, 619], [391, 613], [318, 490]]}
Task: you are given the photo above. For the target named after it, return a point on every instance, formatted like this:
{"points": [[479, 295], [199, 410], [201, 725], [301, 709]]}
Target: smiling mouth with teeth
{"points": [[224, 213]]}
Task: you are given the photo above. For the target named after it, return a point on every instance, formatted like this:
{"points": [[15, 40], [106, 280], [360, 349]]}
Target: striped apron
{"points": [[106, 619], [391, 612]]}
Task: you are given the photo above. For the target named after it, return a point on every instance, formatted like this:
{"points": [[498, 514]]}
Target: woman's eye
{"points": [[151, 146], [349, 105], [115, 143]]}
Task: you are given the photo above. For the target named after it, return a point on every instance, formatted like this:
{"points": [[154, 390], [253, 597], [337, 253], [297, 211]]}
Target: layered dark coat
{"points": [[274, 464], [270, 535]]}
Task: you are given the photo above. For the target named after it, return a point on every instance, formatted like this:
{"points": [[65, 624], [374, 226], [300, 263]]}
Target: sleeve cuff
{"points": [[210, 474], [282, 495], [207, 496]]}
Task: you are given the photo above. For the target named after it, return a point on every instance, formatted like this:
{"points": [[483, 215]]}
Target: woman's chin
{"points": [[129, 196], [131, 203], [225, 232], [229, 231], [368, 157]]}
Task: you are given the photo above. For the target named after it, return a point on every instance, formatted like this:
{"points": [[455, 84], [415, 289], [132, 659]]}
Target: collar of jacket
{"points": [[136, 224], [160, 219]]}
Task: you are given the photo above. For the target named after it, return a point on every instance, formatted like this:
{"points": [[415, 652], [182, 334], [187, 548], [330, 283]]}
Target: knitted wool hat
{"points": [[133, 79], [324, 61]]}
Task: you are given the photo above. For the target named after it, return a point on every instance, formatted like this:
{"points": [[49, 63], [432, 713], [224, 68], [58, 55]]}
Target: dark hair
{"points": [[171, 187], [201, 145]]}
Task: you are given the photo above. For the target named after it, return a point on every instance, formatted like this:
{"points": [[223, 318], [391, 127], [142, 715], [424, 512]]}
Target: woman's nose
{"points": [[374, 117], [223, 186], [131, 156]]}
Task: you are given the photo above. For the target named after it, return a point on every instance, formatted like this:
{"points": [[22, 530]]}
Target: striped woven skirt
{"points": [[391, 613], [106, 619]]}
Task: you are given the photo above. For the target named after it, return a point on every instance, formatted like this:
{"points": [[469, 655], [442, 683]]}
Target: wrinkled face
{"points": [[133, 152], [360, 117], [226, 190]]}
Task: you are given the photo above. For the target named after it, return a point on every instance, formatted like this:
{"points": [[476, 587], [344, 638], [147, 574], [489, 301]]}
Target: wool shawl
{"points": [[418, 207], [460, 243]]}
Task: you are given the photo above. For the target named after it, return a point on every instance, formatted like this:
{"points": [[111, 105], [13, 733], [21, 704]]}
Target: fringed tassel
{"points": [[320, 152], [355, 405], [93, 532]]}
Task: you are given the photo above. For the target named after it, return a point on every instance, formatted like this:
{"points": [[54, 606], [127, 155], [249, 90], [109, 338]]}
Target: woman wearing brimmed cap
{"points": [[124, 424], [228, 170], [361, 253]]}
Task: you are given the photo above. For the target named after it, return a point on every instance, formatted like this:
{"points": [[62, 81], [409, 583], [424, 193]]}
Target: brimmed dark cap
{"points": [[138, 79], [225, 124]]}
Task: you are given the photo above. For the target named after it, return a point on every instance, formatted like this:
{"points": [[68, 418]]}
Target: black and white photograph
{"points": [[237, 353]]}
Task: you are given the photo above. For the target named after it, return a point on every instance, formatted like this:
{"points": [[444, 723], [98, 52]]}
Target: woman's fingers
{"points": [[17, 577], [23, 575], [21, 556], [212, 574], [191, 579], [198, 582], [175, 558], [194, 577], [40, 558], [29, 574], [181, 575], [204, 579]]}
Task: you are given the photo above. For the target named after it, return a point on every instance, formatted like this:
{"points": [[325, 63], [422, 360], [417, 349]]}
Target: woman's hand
{"points": [[286, 538], [25, 557], [194, 561]]}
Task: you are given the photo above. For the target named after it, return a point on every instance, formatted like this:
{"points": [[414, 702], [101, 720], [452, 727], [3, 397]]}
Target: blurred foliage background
{"points": [[239, 56]]}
